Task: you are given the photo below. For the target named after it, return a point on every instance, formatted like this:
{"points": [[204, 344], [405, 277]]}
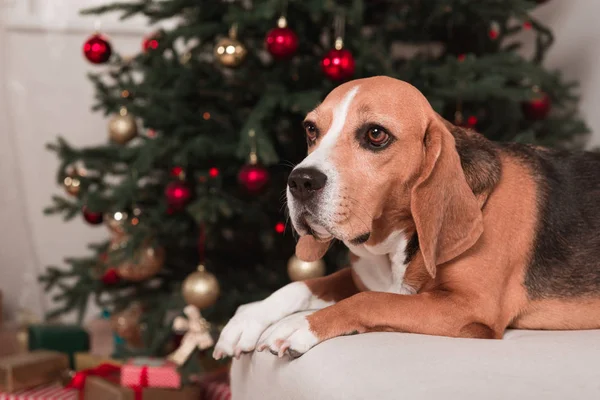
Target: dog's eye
{"points": [[377, 137], [311, 131]]}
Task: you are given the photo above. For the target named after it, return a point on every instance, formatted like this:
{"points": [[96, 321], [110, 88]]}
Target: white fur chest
{"points": [[381, 268]]}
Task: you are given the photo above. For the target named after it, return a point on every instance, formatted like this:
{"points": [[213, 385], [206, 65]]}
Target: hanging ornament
{"points": [[97, 49], [111, 277], [178, 195], [196, 334], [299, 270], [213, 172], [229, 51], [150, 42], [92, 217], [177, 172], [253, 177], [281, 42], [280, 227], [538, 107], [127, 325], [122, 127], [145, 263], [200, 288], [494, 31], [72, 182], [338, 63], [116, 221]]}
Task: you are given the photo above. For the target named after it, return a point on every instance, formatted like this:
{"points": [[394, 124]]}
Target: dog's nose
{"points": [[305, 182]]}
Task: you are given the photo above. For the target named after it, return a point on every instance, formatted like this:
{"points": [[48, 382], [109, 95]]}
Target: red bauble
{"points": [[281, 42], [178, 195], [537, 108], [213, 172], [91, 217], [338, 65], [280, 227], [177, 172], [97, 49], [150, 42], [111, 277], [254, 178]]}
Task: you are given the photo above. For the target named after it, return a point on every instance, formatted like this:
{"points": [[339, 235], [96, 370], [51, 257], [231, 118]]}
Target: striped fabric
{"points": [[43, 392], [215, 386]]}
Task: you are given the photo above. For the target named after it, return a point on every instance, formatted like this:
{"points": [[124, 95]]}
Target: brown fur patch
{"points": [[334, 287]]}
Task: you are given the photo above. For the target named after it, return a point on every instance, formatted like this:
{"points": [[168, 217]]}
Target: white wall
{"points": [[44, 92]]}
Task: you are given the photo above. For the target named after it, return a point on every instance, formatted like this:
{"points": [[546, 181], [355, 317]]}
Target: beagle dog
{"points": [[450, 234]]}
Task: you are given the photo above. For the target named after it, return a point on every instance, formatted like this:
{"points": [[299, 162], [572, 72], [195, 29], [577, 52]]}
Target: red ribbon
{"points": [[102, 370], [143, 383]]}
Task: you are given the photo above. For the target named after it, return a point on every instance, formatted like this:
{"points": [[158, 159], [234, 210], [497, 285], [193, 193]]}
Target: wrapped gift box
{"points": [[68, 339], [26, 370], [150, 372], [88, 361], [215, 386], [43, 392], [109, 388]]}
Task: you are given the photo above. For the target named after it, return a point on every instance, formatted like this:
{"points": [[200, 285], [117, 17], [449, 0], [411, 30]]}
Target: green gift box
{"points": [[68, 339]]}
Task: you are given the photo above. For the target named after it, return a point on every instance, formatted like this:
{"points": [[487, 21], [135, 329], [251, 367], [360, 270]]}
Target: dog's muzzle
{"points": [[304, 183]]}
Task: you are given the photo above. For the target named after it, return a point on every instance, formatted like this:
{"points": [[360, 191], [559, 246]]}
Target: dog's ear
{"points": [[310, 249], [445, 210]]}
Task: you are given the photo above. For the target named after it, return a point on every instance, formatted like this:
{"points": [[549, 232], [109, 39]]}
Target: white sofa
{"points": [[541, 365]]}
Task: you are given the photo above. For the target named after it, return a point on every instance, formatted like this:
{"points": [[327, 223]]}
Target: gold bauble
{"points": [[122, 127], [146, 263], [230, 52], [299, 270], [126, 325], [200, 288]]}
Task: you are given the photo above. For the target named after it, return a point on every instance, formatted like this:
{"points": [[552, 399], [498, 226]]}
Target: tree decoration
{"points": [[196, 334], [122, 127], [281, 42], [213, 172], [200, 288], [299, 270], [253, 177], [72, 182], [177, 172], [178, 195], [92, 217], [145, 263], [280, 227], [338, 63], [97, 49], [538, 107], [111, 277], [150, 42], [116, 221], [127, 325], [494, 31], [229, 51]]}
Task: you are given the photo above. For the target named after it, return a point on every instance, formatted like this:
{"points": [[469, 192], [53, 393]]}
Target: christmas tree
{"points": [[205, 125]]}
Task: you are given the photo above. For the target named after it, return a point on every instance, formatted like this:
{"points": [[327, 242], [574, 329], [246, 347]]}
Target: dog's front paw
{"points": [[291, 335], [241, 333]]}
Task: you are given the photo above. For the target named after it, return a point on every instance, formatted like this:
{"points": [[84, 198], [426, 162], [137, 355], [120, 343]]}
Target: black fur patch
{"points": [[566, 255], [411, 248]]}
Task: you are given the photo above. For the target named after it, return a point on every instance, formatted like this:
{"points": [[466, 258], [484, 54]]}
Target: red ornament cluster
{"points": [[338, 65], [97, 49], [253, 178], [150, 42], [537, 108]]}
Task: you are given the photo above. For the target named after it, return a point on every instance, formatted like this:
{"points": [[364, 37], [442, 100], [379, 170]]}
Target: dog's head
{"points": [[378, 154]]}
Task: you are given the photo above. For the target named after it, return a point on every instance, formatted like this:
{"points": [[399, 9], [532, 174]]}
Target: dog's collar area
{"points": [[361, 239]]}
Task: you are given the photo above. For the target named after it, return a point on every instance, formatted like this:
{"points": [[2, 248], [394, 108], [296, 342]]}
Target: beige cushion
{"points": [[524, 365]]}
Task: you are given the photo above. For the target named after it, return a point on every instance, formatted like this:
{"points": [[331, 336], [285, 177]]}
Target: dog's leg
{"points": [[434, 313], [243, 331]]}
